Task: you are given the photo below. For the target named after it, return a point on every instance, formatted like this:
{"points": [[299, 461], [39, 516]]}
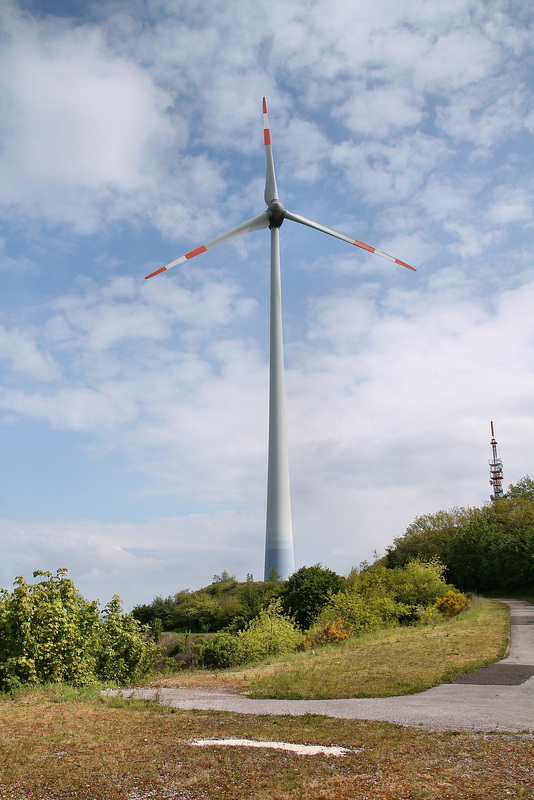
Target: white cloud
{"points": [[510, 205], [82, 123], [78, 115], [485, 114], [25, 357], [381, 111], [77, 409], [393, 171]]}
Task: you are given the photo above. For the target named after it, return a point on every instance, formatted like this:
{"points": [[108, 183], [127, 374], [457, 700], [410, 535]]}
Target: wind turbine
{"points": [[279, 532]]}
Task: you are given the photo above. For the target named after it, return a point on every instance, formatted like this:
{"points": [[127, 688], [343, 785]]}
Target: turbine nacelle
{"points": [[276, 213]]}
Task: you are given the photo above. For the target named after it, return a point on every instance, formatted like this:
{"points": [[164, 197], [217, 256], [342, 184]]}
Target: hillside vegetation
{"points": [[313, 608], [487, 549], [387, 662]]}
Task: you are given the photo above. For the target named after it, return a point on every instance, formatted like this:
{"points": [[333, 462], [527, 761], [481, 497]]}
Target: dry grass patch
{"points": [[55, 748]]}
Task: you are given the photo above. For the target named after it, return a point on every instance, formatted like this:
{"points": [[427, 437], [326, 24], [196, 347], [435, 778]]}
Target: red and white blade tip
{"points": [[266, 131], [191, 254], [384, 255]]}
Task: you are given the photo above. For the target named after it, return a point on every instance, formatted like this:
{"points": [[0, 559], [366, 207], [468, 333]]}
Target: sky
{"points": [[133, 413]]}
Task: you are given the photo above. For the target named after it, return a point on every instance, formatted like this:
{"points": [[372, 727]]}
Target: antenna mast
{"points": [[495, 465]]}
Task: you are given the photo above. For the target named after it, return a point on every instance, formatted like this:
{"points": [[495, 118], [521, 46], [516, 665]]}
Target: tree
{"points": [[224, 577], [307, 591], [523, 488]]}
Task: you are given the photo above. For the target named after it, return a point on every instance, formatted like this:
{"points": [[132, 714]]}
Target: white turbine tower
{"points": [[279, 533]]}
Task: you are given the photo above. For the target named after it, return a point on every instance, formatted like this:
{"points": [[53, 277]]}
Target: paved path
{"points": [[496, 698]]}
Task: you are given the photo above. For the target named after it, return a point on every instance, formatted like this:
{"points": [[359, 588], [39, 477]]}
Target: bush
{"points": [[50, 633], [125, 651], [270, 633], [358, 613], [452, 603], [219, 652], [328, 633], [419, 583]]}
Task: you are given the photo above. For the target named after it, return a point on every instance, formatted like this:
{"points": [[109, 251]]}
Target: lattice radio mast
{"points": [[495, 465]]}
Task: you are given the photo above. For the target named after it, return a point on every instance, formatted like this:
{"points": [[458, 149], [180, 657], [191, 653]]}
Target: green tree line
{"points": [[486, 549], [225, 603]]}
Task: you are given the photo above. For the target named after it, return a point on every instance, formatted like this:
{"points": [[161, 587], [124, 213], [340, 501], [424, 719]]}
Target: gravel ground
{"points": [[495, 698]]}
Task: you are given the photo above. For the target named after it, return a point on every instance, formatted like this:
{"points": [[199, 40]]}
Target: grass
{"points": [[392, 662], [389, 662], [57, 743]]}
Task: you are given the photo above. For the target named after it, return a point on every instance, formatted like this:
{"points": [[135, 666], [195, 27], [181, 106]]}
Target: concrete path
{"points": [[495, 698]]}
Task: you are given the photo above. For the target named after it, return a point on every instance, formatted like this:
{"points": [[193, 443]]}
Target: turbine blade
{"points": [[271, 189], [311, 224], [255, 224]]}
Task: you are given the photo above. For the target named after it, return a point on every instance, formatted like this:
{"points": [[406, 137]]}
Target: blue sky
{"points": [[133, 413]]}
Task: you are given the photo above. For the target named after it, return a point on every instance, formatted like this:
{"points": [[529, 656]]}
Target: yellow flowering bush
{"points": [[452, 603]]}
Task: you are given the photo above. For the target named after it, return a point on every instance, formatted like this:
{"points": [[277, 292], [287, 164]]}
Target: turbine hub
{"points": [[276, 213]]}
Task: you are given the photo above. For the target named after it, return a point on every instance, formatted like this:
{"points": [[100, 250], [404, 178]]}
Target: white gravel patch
{"points": [[301, 749]]}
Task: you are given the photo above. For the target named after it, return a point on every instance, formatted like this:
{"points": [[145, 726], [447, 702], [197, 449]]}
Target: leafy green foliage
{"points": [[225, 603], [307, 591], [357, 613], [219, 652], [419, 582], [377, 597], [523, 488], [50, 633], [270, 633], [122, 652], [483, 549]]}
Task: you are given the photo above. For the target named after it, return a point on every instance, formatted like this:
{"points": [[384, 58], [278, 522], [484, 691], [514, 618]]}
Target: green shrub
{"points": [[125, 651], [420, 582], [272, 632], [377, 597], [49, 633], [360, 614], [220, 652]]}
